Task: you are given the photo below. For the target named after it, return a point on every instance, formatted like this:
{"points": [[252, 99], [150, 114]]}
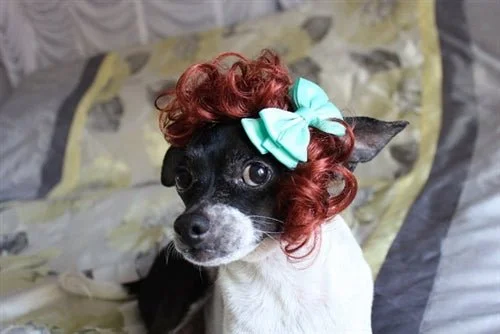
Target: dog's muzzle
{"points": [[214, 234]]}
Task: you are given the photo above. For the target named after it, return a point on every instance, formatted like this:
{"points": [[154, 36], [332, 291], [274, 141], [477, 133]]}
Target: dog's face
{"points": [[229, 189]]}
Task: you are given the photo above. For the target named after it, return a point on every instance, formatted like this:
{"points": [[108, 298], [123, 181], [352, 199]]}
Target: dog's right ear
{"points": [[371, 136], [172, 158]]}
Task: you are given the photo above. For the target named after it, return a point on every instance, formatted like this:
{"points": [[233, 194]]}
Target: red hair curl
{"points": [[214, 92], [208, 92]]}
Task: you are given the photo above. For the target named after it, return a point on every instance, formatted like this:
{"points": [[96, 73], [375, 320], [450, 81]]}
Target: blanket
{"points": [[81, 150]]}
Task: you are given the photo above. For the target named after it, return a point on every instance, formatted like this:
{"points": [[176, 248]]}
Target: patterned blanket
{"points": [[82, 153]]}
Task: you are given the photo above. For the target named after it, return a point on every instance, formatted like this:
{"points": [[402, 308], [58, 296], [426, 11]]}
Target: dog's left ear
{"points": [[172, 158], [371, 136]]}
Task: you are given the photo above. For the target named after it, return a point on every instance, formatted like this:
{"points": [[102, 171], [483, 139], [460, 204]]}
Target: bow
{"points": [[285, 134]]}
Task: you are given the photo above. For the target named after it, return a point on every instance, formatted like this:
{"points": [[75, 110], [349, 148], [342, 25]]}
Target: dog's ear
{"points": [[172, 158], [371, 136]]}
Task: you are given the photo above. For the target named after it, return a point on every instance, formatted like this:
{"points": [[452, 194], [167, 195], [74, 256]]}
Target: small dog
{"points": [[225, 270], [254, 158], [232, 275]]}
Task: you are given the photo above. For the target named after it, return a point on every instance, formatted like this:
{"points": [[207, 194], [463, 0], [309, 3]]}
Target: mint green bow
{"points": [[285, 134]]}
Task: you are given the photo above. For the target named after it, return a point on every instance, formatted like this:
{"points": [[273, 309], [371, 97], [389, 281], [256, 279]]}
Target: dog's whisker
{"points": [[263, 221], [168, 252], [269, 236], [266, 218], [201, 276], [267, 228], [176, 253], [269, 232]]}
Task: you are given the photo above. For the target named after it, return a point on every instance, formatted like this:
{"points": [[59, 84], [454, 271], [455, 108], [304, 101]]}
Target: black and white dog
{"points": [[228, 273]]}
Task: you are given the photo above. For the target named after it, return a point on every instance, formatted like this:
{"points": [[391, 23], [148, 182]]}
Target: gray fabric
{"points": [[405, 281], [484, 26], [27, 121], [5, 86], [54, 161], [442, 273], [36, 34], [466, 294]]}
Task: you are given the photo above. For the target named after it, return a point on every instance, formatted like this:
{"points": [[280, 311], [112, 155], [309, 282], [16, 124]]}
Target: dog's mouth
{"points": [[200, 254], [201, 257], [211, 257]]}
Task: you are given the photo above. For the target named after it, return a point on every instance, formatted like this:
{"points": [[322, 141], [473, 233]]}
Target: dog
{"points": [[225, 272], [263, 165]]}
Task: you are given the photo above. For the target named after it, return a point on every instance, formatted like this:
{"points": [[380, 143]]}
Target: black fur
{"points": [[169, 290]]}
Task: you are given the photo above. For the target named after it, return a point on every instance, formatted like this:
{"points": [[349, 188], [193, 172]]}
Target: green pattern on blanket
{"points": [[107, 215]]}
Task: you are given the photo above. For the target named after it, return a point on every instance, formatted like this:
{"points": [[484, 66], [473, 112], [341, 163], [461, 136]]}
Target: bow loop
{"points": [[286, 134], [307, 94]]}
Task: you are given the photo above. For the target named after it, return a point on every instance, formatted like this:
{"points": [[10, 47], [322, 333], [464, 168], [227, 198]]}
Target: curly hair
{"points": [[215, 92]]}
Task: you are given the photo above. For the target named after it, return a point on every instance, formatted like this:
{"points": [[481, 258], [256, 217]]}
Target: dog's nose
{"points": [[192, 228]]}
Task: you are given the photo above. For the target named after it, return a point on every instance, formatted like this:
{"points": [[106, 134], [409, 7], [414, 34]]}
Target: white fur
{"points": [[265, 293]]}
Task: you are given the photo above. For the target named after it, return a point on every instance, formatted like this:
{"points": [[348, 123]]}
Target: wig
{"points": [[220, 91]]}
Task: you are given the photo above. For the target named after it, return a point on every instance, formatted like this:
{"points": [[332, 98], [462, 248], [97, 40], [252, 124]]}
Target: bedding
{"points": [[442, 272], [37, 34], [5, 86], [81, 155]]}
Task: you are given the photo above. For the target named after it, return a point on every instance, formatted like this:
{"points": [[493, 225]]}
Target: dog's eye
{"points": [[256, 174], [183, 179]]}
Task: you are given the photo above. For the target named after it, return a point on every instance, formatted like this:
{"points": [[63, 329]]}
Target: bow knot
{"points": [[286, 134], [305, 113]]}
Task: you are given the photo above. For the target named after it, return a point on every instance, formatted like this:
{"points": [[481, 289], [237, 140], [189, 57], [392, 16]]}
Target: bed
{"points": [[81, 155]]}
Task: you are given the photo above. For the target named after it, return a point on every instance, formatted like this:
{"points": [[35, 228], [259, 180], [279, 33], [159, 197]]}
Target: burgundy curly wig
{"points": [[216, 91]]}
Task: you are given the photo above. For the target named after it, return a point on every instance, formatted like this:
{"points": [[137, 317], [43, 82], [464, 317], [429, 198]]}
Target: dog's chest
{"points": [[331, 295], [247, 301]]}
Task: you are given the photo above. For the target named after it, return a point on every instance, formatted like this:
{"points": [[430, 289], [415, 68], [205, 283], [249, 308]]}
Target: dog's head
{"points": [[229, 188]]}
